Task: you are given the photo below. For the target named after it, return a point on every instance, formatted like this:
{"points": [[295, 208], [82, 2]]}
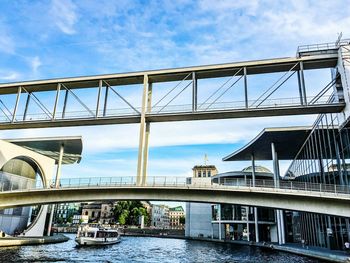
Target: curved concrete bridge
{"points": [[332, 202]]}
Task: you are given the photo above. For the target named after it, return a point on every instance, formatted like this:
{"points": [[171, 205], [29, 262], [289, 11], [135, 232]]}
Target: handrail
{"points": [[267, 185]]}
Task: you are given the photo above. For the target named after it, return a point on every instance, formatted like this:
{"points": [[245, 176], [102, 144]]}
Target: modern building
{"points": [[232, 222], [92, 211], [160, 216], [27, 163], [199, 215], [65, 212], [176, 217], [236, 222]]}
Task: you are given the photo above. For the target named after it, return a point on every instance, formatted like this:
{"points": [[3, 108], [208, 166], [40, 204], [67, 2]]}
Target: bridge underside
{"points": [[337, 205]]}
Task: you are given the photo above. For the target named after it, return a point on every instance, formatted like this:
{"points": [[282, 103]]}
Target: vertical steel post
{"points": [[56, 101], [65, 104], [300, 89], [194, 92], [98, 97], [302, 79], [106, 100], [245, 87], [26, 107], [16, 105]]}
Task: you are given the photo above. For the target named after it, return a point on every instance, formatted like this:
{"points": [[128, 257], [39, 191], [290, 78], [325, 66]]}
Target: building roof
{"points": [[204, 166], [177, 209], [258, 168], [50, 147], [242, 174], [287, 140]]}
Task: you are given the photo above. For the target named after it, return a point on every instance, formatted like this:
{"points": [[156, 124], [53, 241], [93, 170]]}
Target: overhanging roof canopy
{"points": [[50, 147], [287, 140]]}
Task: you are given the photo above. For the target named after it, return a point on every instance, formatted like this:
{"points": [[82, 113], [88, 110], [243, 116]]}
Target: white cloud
{"points": [[9, 75], [35, 63], [7, 44], [63, 12]]}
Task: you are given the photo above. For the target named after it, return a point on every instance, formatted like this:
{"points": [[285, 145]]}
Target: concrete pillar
{"points": [[245, 88], [219, 213], [302, 82], [276, 178], [248, 230], [256, 224], [143, 136], [57, 185], [255, 208]]}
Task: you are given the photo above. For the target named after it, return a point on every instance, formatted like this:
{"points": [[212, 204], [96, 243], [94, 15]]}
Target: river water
{"points": [[147, 249]]}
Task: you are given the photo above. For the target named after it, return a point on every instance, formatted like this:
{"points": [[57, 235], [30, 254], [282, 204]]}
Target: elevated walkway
{"points": [[297, 196]]}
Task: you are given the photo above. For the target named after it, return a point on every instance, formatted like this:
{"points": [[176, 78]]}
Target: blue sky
{"points": [[61, 38]]}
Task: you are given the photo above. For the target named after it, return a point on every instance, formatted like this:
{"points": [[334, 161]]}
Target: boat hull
{"points": [[89, 241]]}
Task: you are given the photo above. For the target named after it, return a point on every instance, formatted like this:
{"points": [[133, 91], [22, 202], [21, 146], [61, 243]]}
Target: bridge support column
{"points": [[255, 208], [57, 185], [279, 213], [142, 159], [194, 92], [219, 213], [302, 82]]}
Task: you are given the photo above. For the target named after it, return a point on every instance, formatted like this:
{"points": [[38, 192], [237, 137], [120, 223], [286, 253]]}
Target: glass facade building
{"points": [[323, 158]]}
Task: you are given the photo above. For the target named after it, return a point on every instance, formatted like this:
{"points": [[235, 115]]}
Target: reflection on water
{"points": [[144, 249]]}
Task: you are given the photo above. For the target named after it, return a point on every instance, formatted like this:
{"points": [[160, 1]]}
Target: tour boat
{"points": [[95, 236]]}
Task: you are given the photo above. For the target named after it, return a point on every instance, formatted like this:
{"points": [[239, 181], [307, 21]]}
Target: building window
{"points": [[204, 174], [199, 174], [209, 173], [86, 213]]}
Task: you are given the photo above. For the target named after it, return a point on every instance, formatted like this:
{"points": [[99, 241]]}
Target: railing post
{"points": [[154, 181], [291, 185], [305, 187], [335, 188], [320, 187], [69, 182]]}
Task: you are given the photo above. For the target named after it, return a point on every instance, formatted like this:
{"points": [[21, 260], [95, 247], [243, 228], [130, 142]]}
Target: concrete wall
{"points": [[10, 223], [198, 220], [344, 70]]}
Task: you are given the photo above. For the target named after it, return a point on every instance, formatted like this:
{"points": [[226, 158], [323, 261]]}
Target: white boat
{"points": [[95, 236]]}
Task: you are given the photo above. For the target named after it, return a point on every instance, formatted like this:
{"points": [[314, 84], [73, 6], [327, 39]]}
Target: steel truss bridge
{"points": [[17, 116]]}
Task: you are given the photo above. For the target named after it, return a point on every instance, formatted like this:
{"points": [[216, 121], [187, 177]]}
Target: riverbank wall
{"points": [[23, 241]]}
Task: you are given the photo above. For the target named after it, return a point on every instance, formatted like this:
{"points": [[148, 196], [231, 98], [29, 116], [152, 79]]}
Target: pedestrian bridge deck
{"points": [[288, 195]]}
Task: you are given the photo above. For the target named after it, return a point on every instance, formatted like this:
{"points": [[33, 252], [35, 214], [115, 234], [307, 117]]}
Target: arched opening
{"points": [[19, 173]]}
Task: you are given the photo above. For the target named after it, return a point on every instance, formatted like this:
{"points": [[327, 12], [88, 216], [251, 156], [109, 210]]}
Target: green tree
{"points": [[128, 212], [182, 220]]}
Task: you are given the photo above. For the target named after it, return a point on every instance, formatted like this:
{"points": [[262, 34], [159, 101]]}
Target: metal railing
{"points": [[322, 46], [205, 107], [185, 182]]}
